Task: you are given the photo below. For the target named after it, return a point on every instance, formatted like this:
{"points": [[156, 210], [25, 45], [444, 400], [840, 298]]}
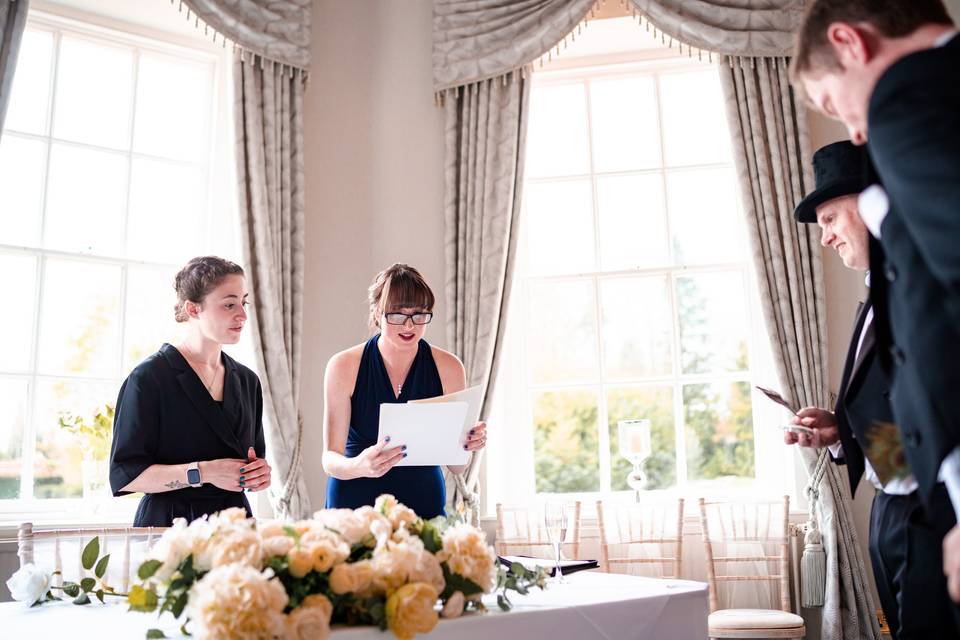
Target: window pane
{"points": [[562, 331], [168, 86], [559, 232], [557, 134], [13, 415], [718, 422], [58, 467], [16, 327], [94, 93], [695, 127], [637, 327], [566, 448], [79, 324], [85, 200], [713, 322], [167, 206], [149, 317], [21, 186], [633, 227], [656, 405], [624, 124], [705, 216], [30, 95]]}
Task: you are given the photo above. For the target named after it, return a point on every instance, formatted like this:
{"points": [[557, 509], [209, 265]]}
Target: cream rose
{"points": [[395, 561], [351, 577], [410, 610], [466, 552], [398, 514], [238, 544], [326, 553], [277, 546], [237, 601], [311, 620], [300, 562]]}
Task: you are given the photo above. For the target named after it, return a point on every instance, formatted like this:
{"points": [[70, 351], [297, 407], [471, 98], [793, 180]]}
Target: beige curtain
{"points": [[269, 130], [13, 18], [277, 30], [772, 156], [486, 125]]}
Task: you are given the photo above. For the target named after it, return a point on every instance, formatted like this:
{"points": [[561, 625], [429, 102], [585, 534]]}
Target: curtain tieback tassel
{"points": [[813, 569]]}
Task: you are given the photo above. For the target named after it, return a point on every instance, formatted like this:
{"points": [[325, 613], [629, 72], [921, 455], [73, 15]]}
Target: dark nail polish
{"points": [[472, 431], [404, 455], [464, 447], [241, 470], [403, 448], [241, 478], [241, 483], [387, 439]]}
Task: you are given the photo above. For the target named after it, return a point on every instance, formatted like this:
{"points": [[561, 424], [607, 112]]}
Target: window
{"points": [[633, 294], [108, 161]]}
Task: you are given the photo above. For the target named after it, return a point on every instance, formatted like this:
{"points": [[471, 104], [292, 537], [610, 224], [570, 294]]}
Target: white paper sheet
{"points": [[471, 395], [433, 432]]}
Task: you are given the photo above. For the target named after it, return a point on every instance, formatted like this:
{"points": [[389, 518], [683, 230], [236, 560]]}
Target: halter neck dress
{"points": [[420, 488]]}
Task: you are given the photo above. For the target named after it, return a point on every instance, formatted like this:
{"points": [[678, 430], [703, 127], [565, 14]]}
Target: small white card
{"points": [[433, 432]]}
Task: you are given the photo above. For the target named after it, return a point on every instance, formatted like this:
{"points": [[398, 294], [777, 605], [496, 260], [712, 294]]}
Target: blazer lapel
{"points": [[200, 399], [849, 363], [232, 407], [866, 349]]}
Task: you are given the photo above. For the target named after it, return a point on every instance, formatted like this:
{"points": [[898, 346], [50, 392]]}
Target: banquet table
{"points": [[591, 605]]}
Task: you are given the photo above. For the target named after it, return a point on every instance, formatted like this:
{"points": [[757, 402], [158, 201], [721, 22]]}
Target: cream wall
{"points": [[374, 176]]}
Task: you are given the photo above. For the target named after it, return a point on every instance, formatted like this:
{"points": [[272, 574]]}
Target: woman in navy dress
{"points": [[188, 428], [396, 365]]}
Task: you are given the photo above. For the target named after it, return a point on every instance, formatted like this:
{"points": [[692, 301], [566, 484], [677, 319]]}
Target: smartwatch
{"points": [[193, 475]]}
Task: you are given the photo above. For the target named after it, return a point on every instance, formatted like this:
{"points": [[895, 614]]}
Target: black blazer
{"points": [[164, 415], [863, 397], [914, 129]]}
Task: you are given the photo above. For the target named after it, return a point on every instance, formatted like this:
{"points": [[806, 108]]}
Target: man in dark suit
{"points": [[888, 70], [904, 542]]}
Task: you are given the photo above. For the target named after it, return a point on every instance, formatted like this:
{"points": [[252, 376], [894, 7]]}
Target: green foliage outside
{"points": [[567, 451]]}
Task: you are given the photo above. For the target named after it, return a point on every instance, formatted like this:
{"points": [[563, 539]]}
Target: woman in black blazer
{"points": [[188, 428]]}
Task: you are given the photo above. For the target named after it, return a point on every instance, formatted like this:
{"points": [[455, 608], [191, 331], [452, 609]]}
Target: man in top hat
{"points": [[905, 544]]}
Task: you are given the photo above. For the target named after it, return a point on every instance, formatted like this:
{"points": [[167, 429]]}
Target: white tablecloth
{"points": [[592, 605]]}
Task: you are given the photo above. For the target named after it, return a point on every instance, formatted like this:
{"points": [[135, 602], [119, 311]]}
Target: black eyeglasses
{"points": [[401, 318]]}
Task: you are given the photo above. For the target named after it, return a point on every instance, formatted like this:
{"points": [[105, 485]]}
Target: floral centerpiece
{"points": [[233, 578]]}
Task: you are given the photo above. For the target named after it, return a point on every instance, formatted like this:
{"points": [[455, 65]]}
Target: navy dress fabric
{"points": [[165, 415], [420, 488]]}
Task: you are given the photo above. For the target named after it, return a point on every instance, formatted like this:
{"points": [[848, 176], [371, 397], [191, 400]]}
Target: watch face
{"points": [[193, 476]]}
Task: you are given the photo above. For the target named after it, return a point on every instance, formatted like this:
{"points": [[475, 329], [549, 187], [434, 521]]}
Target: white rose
{"points": [[29, 584]]}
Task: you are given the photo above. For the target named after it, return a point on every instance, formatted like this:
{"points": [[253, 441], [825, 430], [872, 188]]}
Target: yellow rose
{"points": [[311, 620], [351, 577], [300, 562], [410, 610]]}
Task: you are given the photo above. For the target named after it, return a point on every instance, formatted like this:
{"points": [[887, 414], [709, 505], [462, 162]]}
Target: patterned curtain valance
{"points": [[476, 40], [746, 28], [274, 30]]}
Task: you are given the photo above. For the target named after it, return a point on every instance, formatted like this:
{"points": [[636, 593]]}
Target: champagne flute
{"points": [[556, 519]]}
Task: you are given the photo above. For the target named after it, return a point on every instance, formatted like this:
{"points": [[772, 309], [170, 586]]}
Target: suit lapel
{"points": [[849, 364], [200, 399], [866, 350]]}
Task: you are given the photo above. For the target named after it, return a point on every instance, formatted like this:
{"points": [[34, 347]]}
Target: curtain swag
{"points": [[267, 32], [477, 40]]}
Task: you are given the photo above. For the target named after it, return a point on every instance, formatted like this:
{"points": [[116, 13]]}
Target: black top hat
{"points": [[840, 169]]}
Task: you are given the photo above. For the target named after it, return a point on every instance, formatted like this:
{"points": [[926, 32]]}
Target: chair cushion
{"points": [[754, 619]]}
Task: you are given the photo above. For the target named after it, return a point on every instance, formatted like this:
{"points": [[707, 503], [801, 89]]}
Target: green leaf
{"points": [[179, 605], [99, 595], [81, 599], [90, 553], [155, 633], [87, 584], [456, 582], [101, 567], [430, 536], [503, 602], [148, 568], [293, 533], [71, 589]]}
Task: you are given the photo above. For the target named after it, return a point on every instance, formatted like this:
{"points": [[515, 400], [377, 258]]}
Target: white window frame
{"points": [[514, 391], [218, 216]]}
